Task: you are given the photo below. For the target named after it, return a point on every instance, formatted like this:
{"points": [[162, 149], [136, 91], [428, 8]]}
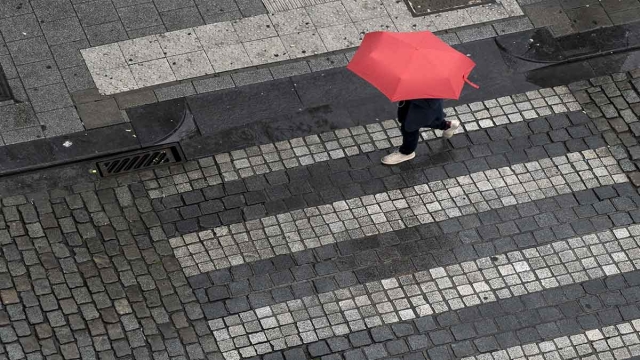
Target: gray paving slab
{"points": [[176, 91], [60, 122], [29, 50], [182, 18], [49, 97], [213, 84], [106, 33], [100, 113], [139, 16], [77, 78], [50, 10], [39, 74], [20, 27], [63, 31], [96, 12], [22, 135]]}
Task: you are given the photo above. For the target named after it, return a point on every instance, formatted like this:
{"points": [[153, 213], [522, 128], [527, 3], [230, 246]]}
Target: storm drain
{"points": [[5, 92], [141, 160]]}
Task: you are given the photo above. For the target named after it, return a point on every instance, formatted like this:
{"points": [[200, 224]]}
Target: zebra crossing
{"points": [[303, 322]]}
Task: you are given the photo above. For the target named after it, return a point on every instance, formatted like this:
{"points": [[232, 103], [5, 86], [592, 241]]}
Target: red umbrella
{"points": [[411, 65]]}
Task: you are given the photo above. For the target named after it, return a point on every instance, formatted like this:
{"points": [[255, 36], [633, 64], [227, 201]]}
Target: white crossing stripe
{"points": [[263, 39], [438, 290], [358, 140], [384, 212], [615, 342]]}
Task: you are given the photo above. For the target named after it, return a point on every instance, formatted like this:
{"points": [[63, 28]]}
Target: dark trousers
{"points": [[410, 139]]}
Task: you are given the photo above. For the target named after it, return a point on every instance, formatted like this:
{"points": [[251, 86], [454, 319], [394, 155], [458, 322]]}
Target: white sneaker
{"points": [[453, 126], [397, 158]]}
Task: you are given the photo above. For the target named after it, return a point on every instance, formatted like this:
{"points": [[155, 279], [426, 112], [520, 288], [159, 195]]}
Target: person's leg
{"points": [[409, 141], [449, 127]]}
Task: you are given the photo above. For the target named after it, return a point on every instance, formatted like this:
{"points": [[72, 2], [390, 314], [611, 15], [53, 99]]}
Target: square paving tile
{"points": [[77, 78], [49, 97], [114, 80], [39, 74], [619, 5], [360, 10], [266, 51], [29, 50], [487, 13], [104, 57], [96, 12], [625, 17], [8, 67], [396, 8], [100, 113], [10, 8], [228, 57], [254, 28], [20, 27], [182, 18], [179, 42], [339, 37], [139, 16], [106, 33], [49, 10], [141, 49], [589, 18], [219, 34], [303, 44], [546, 13], [22, 135], [378, 24], [179, 90], [63, 31], [190, 65], [148, 31], [452, 19], [212, 13], [408, 23], [68, 54], [152, 72], [166, 5], [324, 15], [17, 116], [292, 21], [512, 7], [60, 122], [213, 83], [290, 69]]}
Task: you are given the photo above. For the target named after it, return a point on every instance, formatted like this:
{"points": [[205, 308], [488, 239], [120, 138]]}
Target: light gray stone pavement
{"points": [[264, 39]]}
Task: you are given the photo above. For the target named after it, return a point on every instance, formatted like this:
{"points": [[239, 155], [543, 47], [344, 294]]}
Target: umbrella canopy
{"points": [[412, 65]]}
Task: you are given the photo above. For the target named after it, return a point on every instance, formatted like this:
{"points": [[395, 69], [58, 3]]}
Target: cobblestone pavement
{"points": [[54, 93], [516, 238]]}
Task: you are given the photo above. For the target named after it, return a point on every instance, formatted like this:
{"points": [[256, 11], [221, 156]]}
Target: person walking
{"points": [[416, 114]]}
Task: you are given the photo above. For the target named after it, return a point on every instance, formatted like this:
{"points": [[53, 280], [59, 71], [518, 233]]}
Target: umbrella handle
{"points": [[466, 79]]}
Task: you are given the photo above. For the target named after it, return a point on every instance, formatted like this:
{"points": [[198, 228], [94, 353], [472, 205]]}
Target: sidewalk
{"points": [[55, 94], [324, 100]]}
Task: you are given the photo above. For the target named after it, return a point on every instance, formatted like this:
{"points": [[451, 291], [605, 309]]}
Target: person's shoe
{"points": [[453, 126], [397, 158]]}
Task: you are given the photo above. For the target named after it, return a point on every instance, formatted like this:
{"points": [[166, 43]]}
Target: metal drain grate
{"points": [[5, 92], [141, 160]]}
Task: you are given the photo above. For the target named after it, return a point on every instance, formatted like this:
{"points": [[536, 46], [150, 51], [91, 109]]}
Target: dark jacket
{"points": [[422, 113]]}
